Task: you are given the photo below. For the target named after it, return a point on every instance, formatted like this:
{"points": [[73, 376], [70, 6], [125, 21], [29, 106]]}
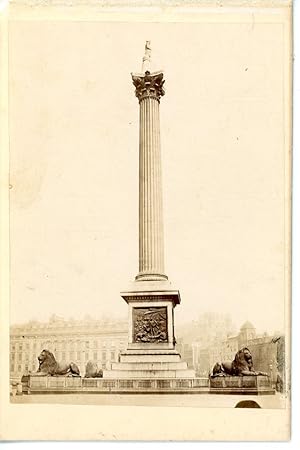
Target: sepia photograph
{"points": [[149, 210]]}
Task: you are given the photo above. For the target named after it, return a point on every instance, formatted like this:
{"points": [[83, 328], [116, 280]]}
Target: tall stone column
{"points": [[151, 299], [149, 90]]}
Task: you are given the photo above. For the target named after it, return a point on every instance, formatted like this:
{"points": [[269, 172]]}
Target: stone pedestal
{"points": [[151, 315], [254, 385], [151, 349]]}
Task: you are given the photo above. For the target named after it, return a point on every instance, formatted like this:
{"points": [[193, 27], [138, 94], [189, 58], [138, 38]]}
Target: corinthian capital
{"points": [[149, 85]]}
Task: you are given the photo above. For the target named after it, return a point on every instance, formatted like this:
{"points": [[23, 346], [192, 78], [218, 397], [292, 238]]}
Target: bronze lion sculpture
{"points": [[48, 366], [92, 371], [241, 365]]}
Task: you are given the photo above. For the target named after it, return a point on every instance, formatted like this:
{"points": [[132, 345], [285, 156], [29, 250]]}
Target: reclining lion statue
{"points": [[92, 371], [241, 365], [48, 366]]}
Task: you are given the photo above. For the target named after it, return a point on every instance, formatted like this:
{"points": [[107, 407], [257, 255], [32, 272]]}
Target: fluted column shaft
{"points": [[151, 242]]}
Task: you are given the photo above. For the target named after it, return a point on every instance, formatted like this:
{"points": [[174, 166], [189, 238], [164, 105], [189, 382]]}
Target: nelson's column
{"points": [[151, 299]]}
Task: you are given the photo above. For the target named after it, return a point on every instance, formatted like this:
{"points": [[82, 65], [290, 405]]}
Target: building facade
{"points": [[208, 328], [199, 340], [78, 341], [201, 359]]}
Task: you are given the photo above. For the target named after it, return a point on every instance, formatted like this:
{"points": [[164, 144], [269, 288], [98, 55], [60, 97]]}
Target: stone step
{"points": [[150, 366], [150, 358], [129, 374], [149, 351]]}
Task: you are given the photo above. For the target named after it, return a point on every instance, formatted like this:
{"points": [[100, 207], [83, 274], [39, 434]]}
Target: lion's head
{"points": [[47, 362], [247, 355], [242, 360]]}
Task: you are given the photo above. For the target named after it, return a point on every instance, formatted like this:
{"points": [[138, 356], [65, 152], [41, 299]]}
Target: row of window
{"points": [[77, 357], [71, 344], [20, 368], [21, 356], [67, 355]]}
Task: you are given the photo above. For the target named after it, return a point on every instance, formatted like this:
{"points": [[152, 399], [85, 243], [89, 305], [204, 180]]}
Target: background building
{"points": [[210, 327], [198, 339], [186, 352], [69, 340], [201, 360], [268, 352]]}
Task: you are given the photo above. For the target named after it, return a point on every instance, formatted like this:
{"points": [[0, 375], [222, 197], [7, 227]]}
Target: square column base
{"points": [[151, 339], [151, 315]]}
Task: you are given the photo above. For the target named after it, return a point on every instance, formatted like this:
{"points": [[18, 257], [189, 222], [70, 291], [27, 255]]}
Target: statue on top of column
{"points": [[148, 84], [146, 58]]}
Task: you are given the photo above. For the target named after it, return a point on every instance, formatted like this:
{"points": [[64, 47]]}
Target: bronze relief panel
{"points": [[150, 324]]}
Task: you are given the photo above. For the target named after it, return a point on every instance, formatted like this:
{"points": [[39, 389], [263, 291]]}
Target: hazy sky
{"points": [[74, 167]]}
